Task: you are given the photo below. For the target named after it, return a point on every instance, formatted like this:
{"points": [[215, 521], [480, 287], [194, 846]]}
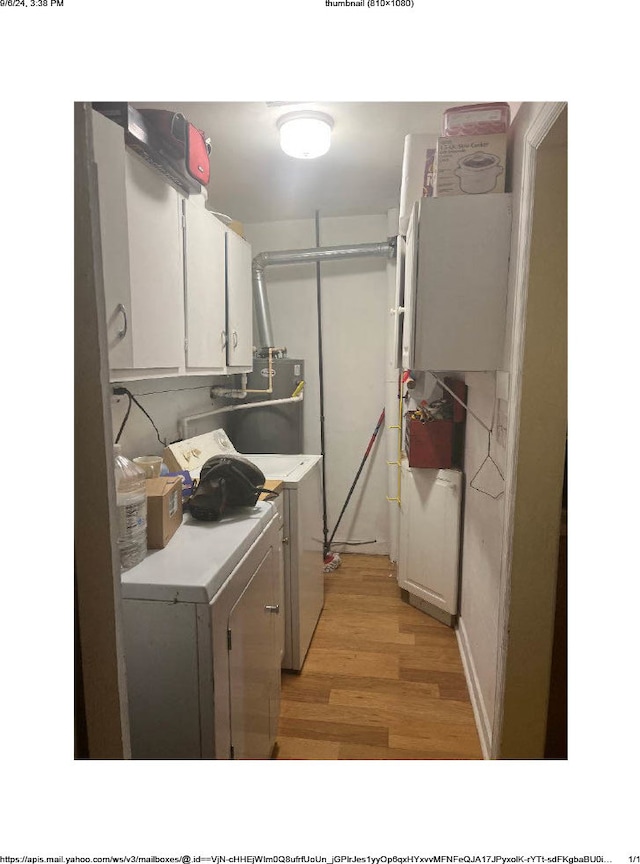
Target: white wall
{"points": [[483, 524], [537, 442], [166, 400], [482, 548], [355, 313]]}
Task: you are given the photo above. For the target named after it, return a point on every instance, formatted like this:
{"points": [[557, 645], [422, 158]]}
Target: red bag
{"points": [[197, 155], [181, 141]]}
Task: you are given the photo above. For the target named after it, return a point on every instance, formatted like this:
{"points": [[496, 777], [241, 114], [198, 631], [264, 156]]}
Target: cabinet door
{"points": [[164, 691], [253, 686], [109, 155], [410, 276], [204, 289], [430, 535], [156, 268], [461, 283], [239, 303], [395, 361]]}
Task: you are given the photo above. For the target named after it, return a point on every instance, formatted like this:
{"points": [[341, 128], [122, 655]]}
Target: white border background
{"points": [[290, 49]]}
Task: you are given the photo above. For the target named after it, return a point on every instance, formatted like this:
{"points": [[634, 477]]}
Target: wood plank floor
{"points": [[382, 680]]}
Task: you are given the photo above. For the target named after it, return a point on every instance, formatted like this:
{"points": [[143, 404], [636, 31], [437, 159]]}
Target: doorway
{"points": [[537, 457]]}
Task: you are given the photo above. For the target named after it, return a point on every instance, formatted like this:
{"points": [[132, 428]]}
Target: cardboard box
{"points": [[428, 187], [187, 483], [164, 510], [417, 173], [470, 165]]}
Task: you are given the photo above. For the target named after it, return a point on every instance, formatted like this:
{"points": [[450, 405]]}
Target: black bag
{"points": [[226, 482]]}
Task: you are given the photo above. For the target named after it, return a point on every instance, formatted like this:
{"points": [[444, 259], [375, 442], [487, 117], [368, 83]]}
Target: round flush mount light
{"points": [[305, 134]]}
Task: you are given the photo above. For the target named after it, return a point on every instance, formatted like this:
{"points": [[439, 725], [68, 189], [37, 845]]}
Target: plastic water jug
{"points": [[131, 500]]}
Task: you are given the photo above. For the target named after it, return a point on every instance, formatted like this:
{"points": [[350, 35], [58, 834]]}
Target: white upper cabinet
{"points": [[108, 145], [456, 283], [205, 288], [410, 275], [177, 282], [156, 269], [239, 303]]}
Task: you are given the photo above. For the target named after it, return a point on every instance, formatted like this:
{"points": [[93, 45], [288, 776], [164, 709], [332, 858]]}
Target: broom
{"points": [[332, 559]]}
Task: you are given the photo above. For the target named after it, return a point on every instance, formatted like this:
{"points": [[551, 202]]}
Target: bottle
{"points": [[131, 500]]}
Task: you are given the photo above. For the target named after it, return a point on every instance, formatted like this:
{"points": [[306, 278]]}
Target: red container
{"points": [[430, 445], [460, 389], [486, 118]]}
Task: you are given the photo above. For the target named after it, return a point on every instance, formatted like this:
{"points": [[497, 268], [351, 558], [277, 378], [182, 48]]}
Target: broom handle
{"points": [[353, 485]]}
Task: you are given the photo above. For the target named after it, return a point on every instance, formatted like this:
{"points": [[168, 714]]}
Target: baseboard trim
{"points": [[475, 694]]}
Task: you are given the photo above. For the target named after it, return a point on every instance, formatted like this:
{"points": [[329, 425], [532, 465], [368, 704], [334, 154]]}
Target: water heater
{"points": [[270, 429]]}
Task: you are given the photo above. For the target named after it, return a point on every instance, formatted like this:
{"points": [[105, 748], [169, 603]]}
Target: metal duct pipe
{"points": [[303, 256]]}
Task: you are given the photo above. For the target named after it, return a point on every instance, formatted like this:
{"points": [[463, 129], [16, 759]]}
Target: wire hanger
{"points": [[489, 466], [488, 469]]}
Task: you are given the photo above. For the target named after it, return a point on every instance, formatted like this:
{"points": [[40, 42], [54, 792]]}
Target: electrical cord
{"points": [[353, 542], [123, 391], [126, 416]]}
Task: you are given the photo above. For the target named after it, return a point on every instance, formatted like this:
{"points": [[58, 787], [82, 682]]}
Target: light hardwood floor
{"points": [[382, 680]]}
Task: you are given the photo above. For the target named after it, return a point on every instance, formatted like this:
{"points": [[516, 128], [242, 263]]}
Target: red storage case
{"points": [[486, 118], [439, 443], [430, 445]]}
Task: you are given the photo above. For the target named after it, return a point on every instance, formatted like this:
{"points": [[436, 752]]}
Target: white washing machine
{"points": [[303, 548]]}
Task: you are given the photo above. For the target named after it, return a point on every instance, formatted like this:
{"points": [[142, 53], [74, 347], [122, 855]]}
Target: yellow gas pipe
{"points": [[398, 426]]}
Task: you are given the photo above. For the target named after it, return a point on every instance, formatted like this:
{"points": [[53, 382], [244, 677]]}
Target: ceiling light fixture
{"points": [[305, 134]]}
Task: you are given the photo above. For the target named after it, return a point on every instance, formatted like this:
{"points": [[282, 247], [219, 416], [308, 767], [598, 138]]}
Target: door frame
{"points": [[101, 706], [511, 682]]}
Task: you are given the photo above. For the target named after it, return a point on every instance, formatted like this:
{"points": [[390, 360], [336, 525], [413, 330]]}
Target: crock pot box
{"points": [[191, 453], [470, 165]]}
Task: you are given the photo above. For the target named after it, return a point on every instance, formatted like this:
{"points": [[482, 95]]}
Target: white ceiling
{"points": [[252, 180]]}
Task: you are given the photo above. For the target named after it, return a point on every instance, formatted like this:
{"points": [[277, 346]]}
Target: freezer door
{"points": [[398, 308], [410, 275]]}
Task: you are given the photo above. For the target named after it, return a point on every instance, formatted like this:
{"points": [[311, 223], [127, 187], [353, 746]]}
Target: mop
{"points": [[332, 559]]}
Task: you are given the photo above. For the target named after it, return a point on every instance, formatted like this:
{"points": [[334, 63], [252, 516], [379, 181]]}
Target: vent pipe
{"points": [[303, 256]]}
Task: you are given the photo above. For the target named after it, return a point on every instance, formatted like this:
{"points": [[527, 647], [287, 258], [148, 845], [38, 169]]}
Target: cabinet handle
{"points": [[285, 541], [274, 609], [235, 338], [121, 309], [223, 338]]}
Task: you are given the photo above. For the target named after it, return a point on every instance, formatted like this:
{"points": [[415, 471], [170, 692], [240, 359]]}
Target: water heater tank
{"points": [[270, 429]]}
